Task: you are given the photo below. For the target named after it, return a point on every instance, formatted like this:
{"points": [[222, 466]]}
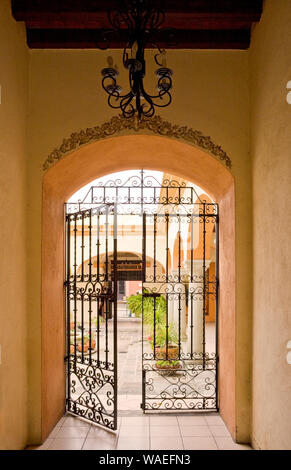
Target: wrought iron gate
{"points": [[91, 286], [179, 367], [179, 295]]}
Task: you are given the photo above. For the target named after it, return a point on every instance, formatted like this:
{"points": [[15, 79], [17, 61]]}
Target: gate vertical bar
{"points": [[82, 250], [204, 284], [155, 247], [217, 302], [106, 287], [142, 314], [144, 248], [98, 246], [82, 279], [179, 278], [167, 279], [90, 280], [75, 292], [192, 283], [115, 313], [68, 274], [155, 241]]}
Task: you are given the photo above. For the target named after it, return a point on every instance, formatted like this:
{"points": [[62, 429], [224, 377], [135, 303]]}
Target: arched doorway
{"points": [[95, 160]]}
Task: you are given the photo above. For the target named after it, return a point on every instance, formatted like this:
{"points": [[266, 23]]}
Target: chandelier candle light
{"points": [[141, 19]]}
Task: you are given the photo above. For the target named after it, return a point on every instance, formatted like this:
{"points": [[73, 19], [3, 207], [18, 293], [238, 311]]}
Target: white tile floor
{"points": [[144, 432]]}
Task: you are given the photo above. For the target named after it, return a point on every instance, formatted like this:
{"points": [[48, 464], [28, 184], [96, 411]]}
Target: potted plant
{"points": [[72, 323], [168, 365], [85, 347], [148, 307], [72, 348], [90, 340], [165, 344], [134, 303]]}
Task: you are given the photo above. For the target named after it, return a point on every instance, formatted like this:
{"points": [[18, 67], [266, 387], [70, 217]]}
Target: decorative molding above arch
{"points": [[118, 124]]}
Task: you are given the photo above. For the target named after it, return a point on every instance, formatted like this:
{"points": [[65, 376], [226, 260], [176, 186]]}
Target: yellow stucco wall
{"points": [[13, 367], [270, 70], [210, 94]]}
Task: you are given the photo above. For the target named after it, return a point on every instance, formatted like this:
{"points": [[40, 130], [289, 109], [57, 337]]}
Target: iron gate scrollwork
{"points": [[91, 315]]}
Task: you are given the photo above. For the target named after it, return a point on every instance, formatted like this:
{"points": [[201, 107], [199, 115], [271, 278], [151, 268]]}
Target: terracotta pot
{"points": [[72, 349], [161, 352], [85, 347], [93, 344]]}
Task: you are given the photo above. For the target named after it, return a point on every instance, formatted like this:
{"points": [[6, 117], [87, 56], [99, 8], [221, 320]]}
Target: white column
{"points": [[177, 302], [195, 309]]}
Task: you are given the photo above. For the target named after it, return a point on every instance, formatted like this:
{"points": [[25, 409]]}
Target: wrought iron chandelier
{"points": [[141, 19]]}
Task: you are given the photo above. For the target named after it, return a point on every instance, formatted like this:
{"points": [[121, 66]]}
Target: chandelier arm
{"points": [[151, 98], [118, 98], [148, 109], [149, 113], [160, 95], [161, 51], [126, 102], [118, 95], [111, 83], [128, 109], [167, 103], [163, 92], [114, 87], [150, 102], [110, 103]]}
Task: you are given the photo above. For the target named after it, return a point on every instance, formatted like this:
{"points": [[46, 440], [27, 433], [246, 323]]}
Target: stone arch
{"points": [[149, 259], [94, 160]]}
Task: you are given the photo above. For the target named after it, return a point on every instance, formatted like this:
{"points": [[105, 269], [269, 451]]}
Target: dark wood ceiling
{"points": [[192, 24]]}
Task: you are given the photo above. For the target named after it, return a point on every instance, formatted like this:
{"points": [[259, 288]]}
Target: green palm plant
{"points": [[161, 338], [154, 311], [150, 307]]}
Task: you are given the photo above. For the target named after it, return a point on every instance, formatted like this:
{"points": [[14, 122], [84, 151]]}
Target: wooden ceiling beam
{"points": [[215, 24], [189, 21], [88, 39], [21, 7]]}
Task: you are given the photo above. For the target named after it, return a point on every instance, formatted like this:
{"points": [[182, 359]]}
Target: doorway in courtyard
{"points": [[141, 297]]}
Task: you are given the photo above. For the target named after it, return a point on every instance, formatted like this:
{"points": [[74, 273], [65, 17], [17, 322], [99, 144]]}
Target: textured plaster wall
{"points": [[13, 367], [270, 70], [210, 94]]}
